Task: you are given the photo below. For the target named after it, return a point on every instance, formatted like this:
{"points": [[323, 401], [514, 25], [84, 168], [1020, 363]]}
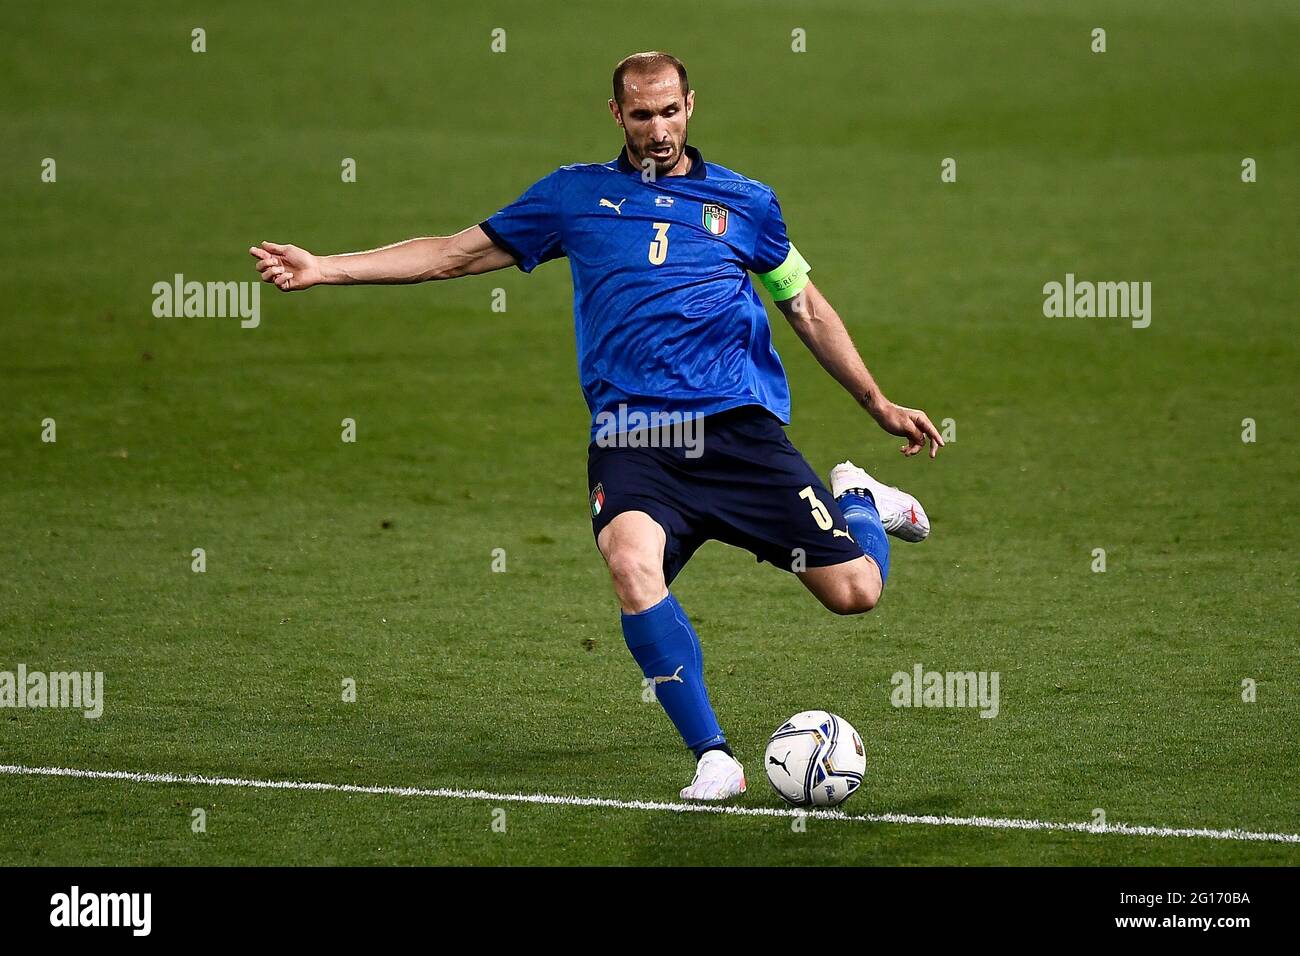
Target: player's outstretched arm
{"points": [[469, 252], [821, 329]]}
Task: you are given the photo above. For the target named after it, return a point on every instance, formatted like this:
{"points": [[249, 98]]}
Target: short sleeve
{"points": [[772, 245], [529, 228], [776, 262]]}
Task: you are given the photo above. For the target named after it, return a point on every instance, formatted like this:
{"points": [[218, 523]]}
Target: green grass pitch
{"points": [[372, 560]]}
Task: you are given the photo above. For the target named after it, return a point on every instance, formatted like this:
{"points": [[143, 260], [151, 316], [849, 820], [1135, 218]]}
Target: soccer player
{"points": [[671, 332]]}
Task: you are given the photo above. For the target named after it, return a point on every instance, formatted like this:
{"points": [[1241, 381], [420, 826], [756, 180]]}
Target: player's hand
{"points": [[910, 423], [288, 268]]}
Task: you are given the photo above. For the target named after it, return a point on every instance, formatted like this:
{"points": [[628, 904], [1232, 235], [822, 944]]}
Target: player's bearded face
{"points": [[653, 113]]}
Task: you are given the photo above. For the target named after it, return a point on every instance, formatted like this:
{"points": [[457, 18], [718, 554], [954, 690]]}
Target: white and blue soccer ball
{"points": [[815, 759]]}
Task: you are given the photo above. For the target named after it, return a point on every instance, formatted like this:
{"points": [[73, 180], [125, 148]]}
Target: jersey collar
{"points": [[697, 163]]}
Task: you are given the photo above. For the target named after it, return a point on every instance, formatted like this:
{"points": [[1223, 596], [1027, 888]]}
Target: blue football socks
{"points": [[663, 642], [864, 522]]}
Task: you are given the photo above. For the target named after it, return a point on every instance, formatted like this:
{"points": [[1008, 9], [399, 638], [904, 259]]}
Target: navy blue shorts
{"points": [[749, 488]]}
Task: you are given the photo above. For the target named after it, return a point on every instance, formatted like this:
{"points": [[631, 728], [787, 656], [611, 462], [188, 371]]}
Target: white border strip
{"points": [[988, 823]]}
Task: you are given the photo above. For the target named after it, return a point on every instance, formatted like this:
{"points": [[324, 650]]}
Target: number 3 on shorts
{"points": [[819, 512]]}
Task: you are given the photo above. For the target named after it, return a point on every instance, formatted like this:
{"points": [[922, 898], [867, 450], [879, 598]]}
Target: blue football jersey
{"points": [[666, 316]]}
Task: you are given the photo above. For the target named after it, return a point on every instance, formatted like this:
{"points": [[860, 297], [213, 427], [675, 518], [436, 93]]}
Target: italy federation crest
{"points": [[597, 499], [715, 218]]}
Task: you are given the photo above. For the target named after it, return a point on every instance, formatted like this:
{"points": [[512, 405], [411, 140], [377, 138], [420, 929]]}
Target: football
{"points": [[815, 759]]}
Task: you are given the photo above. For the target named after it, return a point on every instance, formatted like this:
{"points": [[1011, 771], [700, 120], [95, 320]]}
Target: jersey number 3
{"points": [[659, 244], [819, 512]]}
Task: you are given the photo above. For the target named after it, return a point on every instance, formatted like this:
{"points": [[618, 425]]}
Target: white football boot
{"points": [[900, 513], [717, 777]]}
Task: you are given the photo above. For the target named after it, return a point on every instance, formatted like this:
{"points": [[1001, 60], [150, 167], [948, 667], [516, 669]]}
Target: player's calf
{"points": [[667, 649]]}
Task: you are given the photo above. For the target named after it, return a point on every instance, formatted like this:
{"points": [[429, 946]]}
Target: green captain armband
{"points": [[788, 279]]}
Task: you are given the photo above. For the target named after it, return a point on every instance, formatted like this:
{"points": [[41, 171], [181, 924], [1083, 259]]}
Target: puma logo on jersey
{"points": [[676, 676], [837, 533], [618, 209]]}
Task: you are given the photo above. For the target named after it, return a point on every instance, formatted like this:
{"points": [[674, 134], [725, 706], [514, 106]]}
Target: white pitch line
{"points": [[987, 823]]}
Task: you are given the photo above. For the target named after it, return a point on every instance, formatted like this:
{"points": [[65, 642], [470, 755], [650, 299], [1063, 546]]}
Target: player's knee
{"points": [[856, 595], [865, 598], [638, 577], [852, 603]]}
